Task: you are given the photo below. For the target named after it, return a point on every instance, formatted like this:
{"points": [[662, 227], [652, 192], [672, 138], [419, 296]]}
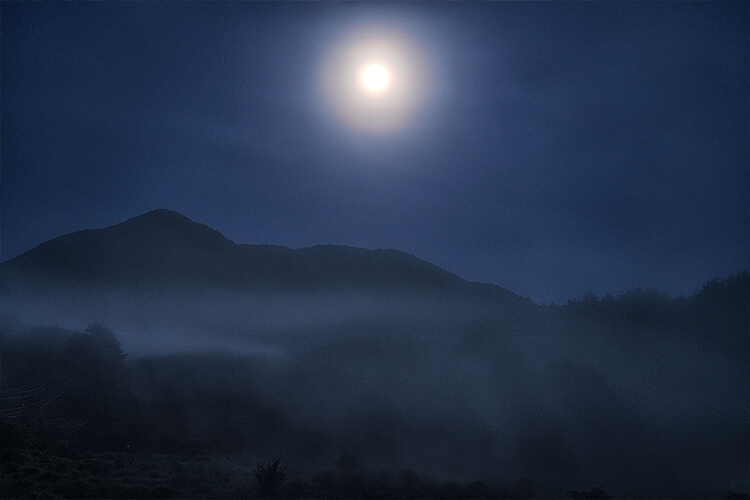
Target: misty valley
{"points": [[157, 359]]}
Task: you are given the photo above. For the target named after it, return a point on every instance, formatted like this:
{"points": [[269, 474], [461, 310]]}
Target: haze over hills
{"points": [[163, 248], [320, 351], [166, 282]]}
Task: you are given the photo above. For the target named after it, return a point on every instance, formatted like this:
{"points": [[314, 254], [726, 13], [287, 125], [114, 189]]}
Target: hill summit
{"points": [[163, 248]]}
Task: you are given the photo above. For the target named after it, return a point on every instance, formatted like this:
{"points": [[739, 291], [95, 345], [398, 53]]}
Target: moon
{"points": [[374, 79]]}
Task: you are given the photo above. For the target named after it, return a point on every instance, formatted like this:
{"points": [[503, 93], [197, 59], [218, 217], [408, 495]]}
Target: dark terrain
{"points": [[158, 359]]}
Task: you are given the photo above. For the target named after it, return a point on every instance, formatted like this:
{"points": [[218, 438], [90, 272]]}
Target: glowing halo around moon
{"points": [[375, 80]]}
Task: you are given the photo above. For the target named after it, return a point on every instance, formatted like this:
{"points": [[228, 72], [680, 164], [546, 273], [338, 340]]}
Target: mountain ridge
{"points": [[164, 248]]}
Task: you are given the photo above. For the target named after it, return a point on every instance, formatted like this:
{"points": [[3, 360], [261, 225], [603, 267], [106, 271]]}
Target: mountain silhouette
{"points": [[163, 248]]}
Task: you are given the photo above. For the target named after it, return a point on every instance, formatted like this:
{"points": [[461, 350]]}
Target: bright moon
{"points": [[374, 79]]}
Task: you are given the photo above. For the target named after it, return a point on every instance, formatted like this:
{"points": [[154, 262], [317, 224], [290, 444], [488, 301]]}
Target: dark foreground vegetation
{"points": [[77, 429], [78, 419]]}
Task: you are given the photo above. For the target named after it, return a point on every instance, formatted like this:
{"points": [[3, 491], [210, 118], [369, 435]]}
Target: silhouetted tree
{"points": [[597, 493], [478, 489], [324, 483], [349, 469], [269, 477], [109, 349], [523, 488], [408, 483], [93, 362], [347, 464]]}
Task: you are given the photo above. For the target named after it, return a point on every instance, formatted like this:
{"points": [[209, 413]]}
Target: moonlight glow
{"points": [[374, 80]]}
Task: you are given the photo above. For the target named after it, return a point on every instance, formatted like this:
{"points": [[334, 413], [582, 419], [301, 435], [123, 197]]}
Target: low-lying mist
{"points": [[151, 323], [642, 394]]}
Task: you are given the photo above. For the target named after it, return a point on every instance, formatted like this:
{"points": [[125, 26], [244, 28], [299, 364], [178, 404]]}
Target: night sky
{"points": [[549, 148]]}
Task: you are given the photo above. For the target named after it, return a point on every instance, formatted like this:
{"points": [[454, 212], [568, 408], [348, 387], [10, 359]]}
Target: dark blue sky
{"points": [[557, 148]]}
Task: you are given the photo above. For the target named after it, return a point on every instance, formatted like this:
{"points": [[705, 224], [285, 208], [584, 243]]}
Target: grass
{"points": [[37, 474]]}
